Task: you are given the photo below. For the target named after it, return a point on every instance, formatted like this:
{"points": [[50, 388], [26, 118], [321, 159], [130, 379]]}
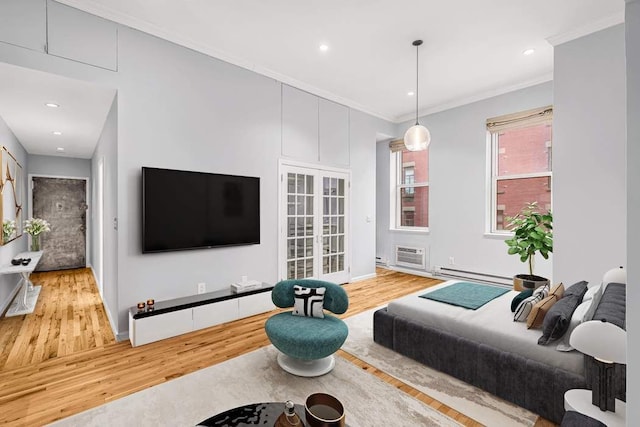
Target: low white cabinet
{"points": [[176, 317]]}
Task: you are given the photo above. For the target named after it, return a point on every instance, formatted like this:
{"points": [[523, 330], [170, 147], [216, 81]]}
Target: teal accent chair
{"points": [[307, 344]]}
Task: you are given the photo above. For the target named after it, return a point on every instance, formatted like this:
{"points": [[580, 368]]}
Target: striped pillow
{"points": [[524, 308], [308, 301]]}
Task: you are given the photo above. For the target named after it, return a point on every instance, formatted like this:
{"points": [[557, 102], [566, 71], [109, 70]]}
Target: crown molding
{"points": [[477, 97], [98, 9], [601, 24]]}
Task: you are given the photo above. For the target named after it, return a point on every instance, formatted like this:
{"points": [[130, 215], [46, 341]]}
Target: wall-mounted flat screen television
{"points": [[194, 210]]}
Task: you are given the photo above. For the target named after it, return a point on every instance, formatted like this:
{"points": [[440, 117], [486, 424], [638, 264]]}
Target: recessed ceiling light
{"points": [[52, 105], [529, 52], [324, 47], [56, 132], [60, 149], [410, 93]]}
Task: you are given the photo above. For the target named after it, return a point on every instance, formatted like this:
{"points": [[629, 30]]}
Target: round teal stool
{"points": [[307, 344]]}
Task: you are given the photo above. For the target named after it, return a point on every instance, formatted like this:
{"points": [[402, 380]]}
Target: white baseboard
{"points": [[108, 311], [411, 271], [361, 278]]}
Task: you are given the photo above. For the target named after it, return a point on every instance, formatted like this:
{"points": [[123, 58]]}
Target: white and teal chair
{"points": [[307, 344]]}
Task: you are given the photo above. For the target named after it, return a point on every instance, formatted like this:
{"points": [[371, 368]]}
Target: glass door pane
{"points": [[333, 231], [300, 225]]}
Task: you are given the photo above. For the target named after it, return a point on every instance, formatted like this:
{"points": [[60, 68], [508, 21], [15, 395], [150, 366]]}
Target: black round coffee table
{"points": [[253, 414]]}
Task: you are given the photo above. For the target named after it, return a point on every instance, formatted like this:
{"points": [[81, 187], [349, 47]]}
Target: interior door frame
{"points": [[87, 234], [283, 163]]}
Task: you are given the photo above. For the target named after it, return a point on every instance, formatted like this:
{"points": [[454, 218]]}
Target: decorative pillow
{"points": [[556, 321], [519, 298], [595, 300], [308, 301], [591, 292], [576, 319], [557, 291], [539, 311], [527, 304]]}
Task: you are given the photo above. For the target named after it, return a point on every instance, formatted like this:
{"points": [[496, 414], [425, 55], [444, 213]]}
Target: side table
{"points": [[25, 301], [579, 400]]}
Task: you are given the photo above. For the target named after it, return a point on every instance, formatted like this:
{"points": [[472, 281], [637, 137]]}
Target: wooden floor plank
{"points": [[80, 366]]}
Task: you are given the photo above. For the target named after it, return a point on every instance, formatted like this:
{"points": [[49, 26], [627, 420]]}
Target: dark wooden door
{"points": [[63, 203]]}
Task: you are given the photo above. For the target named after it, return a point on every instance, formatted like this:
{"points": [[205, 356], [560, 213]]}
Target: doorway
{"points": [[63, 203], [314, 232]]}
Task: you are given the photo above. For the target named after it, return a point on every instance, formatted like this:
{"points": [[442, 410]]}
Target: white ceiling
{"points": [[472, 49], [80, 117]]}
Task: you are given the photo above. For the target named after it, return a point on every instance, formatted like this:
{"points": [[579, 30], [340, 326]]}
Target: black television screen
{"points": [[191, 210]]}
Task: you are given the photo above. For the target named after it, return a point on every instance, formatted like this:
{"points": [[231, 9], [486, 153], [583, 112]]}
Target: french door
{"points": [[314, 222]]}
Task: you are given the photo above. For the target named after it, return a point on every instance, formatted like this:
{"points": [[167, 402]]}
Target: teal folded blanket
{"points": [[466, 294]]}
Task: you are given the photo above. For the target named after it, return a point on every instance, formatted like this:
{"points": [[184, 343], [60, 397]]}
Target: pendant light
{"points": [[417, 137]]}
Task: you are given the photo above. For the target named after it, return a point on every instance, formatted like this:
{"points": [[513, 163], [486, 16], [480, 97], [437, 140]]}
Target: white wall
{"points": [[589, 182], [181, 109], [458, 193], [106, 151], [632, 23], [9, 282], [59, 166]]}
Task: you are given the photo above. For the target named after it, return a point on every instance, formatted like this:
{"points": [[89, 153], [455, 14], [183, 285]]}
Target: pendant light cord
{"points": [[417, 44]]}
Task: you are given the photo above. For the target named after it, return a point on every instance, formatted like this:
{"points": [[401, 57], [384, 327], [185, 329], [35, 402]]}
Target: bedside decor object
{"points": [[532, 233], [8, 229], [16, 261], [417, 137], [607, 343], [35, 227]]}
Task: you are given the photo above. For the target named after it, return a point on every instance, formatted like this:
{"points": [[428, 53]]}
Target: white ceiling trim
{"points": [[606, 22], [477, 97]]}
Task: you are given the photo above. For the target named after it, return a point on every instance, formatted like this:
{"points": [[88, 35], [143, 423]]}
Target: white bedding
{"points": [[491, 324]]}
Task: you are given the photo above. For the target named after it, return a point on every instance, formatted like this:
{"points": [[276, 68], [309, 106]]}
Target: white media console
{"points": [[181, 315]]}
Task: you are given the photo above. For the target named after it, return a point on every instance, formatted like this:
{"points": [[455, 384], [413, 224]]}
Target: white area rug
{"points": [[255, 377], [464, 398]]}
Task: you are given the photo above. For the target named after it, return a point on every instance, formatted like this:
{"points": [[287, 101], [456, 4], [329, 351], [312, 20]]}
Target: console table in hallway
{"points": [[25, 301]]}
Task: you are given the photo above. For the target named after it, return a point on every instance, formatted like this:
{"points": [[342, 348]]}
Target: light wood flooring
{"points": [[63, 359]]}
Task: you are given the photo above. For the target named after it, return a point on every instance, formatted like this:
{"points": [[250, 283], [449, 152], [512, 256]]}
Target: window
{"points": [[410, 187], [520, 163]]}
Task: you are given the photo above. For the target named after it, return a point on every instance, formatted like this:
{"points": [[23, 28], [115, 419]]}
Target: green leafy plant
{"points": [[532, 232]]}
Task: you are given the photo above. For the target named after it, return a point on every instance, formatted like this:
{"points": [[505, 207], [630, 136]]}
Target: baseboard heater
{"points": [[474, 275]]}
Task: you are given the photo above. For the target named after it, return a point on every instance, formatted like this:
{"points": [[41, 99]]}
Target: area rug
{"points": [[464, 398], [256, 377], [466, 294]]}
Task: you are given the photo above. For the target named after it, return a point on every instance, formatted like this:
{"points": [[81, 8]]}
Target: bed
{"points": [[485, 348]]}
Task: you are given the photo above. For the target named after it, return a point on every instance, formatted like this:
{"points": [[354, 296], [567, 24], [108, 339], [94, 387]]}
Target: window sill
{"points": [[498, 236], [408, 230]]}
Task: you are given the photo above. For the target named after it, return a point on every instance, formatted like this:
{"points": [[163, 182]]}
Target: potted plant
{"points": [[35, 227], [532, 233]]}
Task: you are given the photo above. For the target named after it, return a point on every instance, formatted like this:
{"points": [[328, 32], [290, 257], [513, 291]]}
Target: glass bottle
{"points": [[289, 418]]}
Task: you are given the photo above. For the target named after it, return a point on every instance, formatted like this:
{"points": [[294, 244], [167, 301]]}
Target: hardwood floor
{"points": [[68, 318], [84, 367]]}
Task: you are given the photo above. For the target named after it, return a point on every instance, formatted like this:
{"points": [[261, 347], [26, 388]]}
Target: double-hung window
{"points": [[520, 146], [410, 187]]}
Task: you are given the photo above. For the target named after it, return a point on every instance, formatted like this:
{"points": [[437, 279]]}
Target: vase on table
{"points": [[35, 243]]}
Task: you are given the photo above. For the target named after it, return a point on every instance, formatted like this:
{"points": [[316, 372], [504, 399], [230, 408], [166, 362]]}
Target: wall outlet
{"points": [[202, 288], [452, 261]]}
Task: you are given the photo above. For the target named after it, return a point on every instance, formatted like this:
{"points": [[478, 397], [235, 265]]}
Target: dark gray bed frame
{"points": [[530, 384]]}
